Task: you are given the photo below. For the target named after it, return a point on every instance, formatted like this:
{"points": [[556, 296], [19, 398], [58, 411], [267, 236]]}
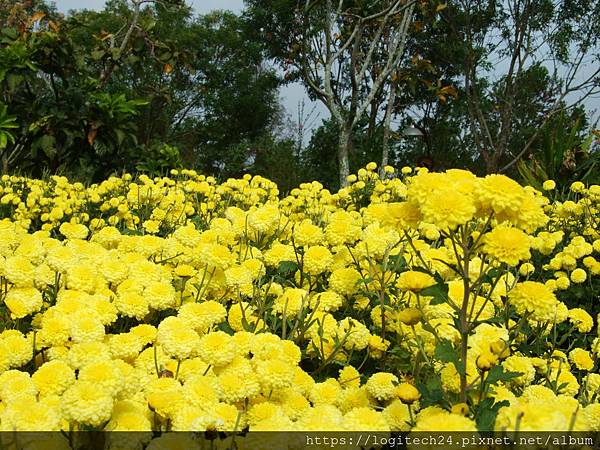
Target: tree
{"points": [[139, 85], [344, 52], [56, 89], [202, 78], [528, 42], [320, 164], [239, 101]]}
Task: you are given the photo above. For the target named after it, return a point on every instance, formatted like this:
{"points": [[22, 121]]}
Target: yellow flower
{"points": [[326, 301], [307, 234], [184, 271], [535, 300], [578, 276], [581, 359], [407, 393], [202, 316], [104, 375], [176, 338], [526, 269], [291, 302], [23, 301], [382, 385], [160, 295], [16, 349], [27, 414], [441, 420], [524, 366], [81, 354], [19, 271], [84, 403], [15, 386], [131, 304], [147, 333], [73, 230], [414, 281], [264, 219], [325, 393], [217, 348], [486, 360], [53, 378], [409, 316], [577, 186], [344, 280], [447, 208], [349, 377], [164, 395], [356, 335], [581, 319], [86, 327], [502, 196], [508, 244], [263, 411], [125, 345], [562, 283], [279, 252], [317, 259], [397, 416]]}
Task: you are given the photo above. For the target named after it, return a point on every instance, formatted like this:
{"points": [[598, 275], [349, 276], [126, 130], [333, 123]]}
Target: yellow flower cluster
{"points": [[184, 304]]}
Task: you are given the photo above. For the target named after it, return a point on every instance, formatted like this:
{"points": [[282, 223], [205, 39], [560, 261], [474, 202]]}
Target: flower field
{"points": [[413, 302]]}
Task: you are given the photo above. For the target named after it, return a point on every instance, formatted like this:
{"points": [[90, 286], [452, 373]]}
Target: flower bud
{"points": [[461, 409], [500, 348], [407, 393], [486, 361], [410, 316]]}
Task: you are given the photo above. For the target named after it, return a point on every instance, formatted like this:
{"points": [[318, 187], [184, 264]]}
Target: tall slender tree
{"points": [[344, 51]]}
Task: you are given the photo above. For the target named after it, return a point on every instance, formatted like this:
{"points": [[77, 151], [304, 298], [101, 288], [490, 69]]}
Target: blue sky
{"points": [[201, 6]]}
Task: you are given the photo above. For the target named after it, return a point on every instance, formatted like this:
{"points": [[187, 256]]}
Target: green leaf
{"points": [[497, 373], [486, 414], [397, 263], [98, 54], [224, 326], [120, 136], [13, 81], [432, 393], [47, 144], [445, 352], [148, 23], [439, 292], [365, 280], [287, 267]]}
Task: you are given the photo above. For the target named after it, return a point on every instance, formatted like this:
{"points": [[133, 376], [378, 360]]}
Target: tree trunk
{"points": [[387, 124], [343, 150], [491, 162]]}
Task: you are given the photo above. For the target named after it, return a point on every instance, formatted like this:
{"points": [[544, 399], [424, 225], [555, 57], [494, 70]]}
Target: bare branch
{"points": [[395, 54]]}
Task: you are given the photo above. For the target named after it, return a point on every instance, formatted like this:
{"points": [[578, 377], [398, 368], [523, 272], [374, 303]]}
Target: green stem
{"points": [[177, 370]]}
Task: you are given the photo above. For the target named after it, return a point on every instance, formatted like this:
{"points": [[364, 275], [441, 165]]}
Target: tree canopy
{"points": [[151, 85]]}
